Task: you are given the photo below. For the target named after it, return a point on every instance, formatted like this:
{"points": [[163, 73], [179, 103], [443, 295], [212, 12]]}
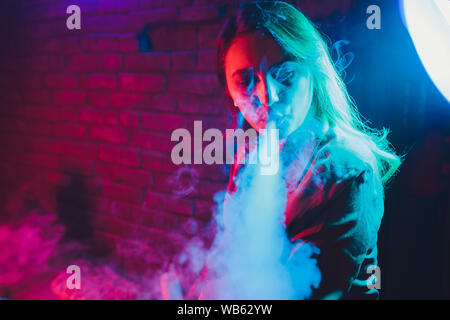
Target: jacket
{"points": [[334, 201]]}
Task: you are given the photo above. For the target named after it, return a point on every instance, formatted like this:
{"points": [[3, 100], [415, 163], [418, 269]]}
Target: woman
{"points": [[275, 67]]}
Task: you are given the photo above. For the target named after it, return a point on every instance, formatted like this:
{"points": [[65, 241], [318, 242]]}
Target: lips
{"points": [[261, 114]]}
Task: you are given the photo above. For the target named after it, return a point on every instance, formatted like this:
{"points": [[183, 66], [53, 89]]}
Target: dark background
{"points": [[86, 117], [392, 89]]}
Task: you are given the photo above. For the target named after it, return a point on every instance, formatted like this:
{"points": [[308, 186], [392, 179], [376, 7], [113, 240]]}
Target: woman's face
{"points": [[265, 85]]}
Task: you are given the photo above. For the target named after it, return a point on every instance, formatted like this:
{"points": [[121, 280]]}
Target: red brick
{"points": [[207, 60], [13, 96], [9, 120], [203, 209], [100, 43], [37, 63], [78, 150], [111, 207], [202, 189], [152, 4], [98, 99], [152, 141], [99, 81], [217, 122], [51, 46], [137, 82], [44, 12], [11, 63], [40, 113], [163, 102], [132, 177], [85, 63], [39, 97], [184, 61], [28, 80], [216, 2], [46, 29], [69, 97], [124, 156], [155, 219], [29, 144], [190, 226], [206, 84], [170, 183], [61, 81], [106, 237], [207, 189], [105, 242], [70, 131], [173, 37], [200, 13], [162, 122], [98, 116], [141, 18], [153, 61], [13, 141], [34, 127], [41, 145], [9, 156], [89, 43], [110, 134], [39, 160], [110, 23], [207, 35], [8, 110], [128, 43], [56, 64], [158, 163], [129, 100], [141, 257], [162, 201], [129, 119], [91, 185], [71, 45], [112, 62], [118, 5], [24, 174], [55, 178], [122, 193], [199, 104], [215, 172], [107, 44], [68, 114], [8, 82], [78, 166]]}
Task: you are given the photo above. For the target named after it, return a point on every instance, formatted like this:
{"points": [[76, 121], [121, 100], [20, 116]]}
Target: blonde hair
{"points": [[300, 41]]}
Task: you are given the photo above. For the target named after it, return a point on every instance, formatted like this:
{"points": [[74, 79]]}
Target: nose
{"points": [[266, 90]]}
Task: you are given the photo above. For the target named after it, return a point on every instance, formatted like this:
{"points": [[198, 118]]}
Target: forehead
{"points": [[252, 51]]}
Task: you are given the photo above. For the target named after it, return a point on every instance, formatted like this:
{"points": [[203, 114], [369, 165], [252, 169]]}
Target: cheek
{"points": [[256, 117], [302, 97], [235, 95]]}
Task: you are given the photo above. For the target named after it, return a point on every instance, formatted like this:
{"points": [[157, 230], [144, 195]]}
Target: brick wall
{"points": [[90, 103], [90, 112]]}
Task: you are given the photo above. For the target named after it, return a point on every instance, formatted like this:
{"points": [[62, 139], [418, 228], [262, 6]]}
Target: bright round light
{"points": [[428, 23]]}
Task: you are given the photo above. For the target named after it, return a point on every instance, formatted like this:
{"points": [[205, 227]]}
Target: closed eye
{"points": [[283, 73], [244, 78]]}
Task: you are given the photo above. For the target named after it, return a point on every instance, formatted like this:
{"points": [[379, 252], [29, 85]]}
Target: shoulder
{"points": [[345, 158], [343, 178], [348, 177]]}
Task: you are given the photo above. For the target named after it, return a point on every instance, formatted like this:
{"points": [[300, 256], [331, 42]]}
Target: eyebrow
{"points": [[243, 71]]}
